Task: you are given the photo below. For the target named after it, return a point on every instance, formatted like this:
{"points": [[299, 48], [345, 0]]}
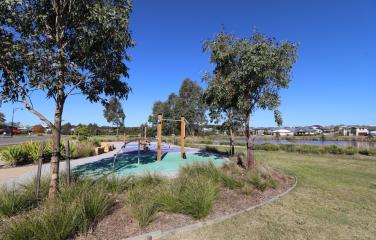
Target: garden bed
{"points": [[121, 223]]}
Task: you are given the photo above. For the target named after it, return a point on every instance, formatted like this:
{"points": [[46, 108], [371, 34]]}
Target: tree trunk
{"points": [[55, 158], [250, 159]]}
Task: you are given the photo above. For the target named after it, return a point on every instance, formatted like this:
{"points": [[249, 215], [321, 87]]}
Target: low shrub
{"points": [[193, 196], [77, 208], [91, 207], [142, 199], [247, 189], [14, 155], [266, 147], [83, 149], [116, 184]]}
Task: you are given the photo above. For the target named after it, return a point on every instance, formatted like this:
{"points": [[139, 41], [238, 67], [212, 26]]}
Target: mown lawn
{"points": [[335, 199]]}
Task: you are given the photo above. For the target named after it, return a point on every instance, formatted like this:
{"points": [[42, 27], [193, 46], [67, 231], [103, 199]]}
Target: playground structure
{"points": [[159, 135]]}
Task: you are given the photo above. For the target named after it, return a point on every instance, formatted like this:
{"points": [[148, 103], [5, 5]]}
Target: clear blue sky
{"points": [[333, 82]]}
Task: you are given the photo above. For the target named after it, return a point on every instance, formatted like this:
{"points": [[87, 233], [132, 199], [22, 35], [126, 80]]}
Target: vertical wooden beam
{"points": [[159, 135], [39, 171], [145, 134], [182, 137], [67, 161]]}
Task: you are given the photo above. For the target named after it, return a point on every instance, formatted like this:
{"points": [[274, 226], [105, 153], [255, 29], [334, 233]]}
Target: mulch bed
{"points": [[120, 224]]}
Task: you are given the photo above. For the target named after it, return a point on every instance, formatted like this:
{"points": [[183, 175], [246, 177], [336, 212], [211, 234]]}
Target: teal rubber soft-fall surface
{"points": [[127, 164]]}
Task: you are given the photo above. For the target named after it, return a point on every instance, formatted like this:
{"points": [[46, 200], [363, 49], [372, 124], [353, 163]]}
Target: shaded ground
{"points": [[335, 199]]}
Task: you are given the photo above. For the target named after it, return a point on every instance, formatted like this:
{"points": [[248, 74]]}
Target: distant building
{"points": [[282, 132], [353, 131], [261, 131], [306, 131], [373, 133]]}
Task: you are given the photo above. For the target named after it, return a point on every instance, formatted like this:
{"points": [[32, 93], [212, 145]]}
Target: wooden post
{"points": [[39, 170], [145, 134], [67, 161], [159, 135], [138, 152], [182, 137]]}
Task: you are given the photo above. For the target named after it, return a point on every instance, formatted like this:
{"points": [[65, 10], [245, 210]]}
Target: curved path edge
{"points": [[159, 234]]}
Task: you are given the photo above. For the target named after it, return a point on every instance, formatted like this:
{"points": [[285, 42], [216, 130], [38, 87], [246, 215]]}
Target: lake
{"points": [[358, 144]]}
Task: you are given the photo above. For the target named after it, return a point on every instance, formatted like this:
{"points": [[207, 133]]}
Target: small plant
{"points": [[193, 196], [247, 189], [33, 150], [21, 198], [142, 199], [115, 184], [14, 155], [83, 149], [92, 206]]}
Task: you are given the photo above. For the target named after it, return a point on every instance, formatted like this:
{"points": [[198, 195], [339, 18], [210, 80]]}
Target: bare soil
{"points": [[120, 224]]}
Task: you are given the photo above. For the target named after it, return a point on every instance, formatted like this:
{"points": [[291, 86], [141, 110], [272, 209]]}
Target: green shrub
{"points": [[54, 223], [201, 169], [83, 149], [149, 179], [350, 150], [77, 208], [257, 181], [247, 189], [266, 147], [32, 148], [116, 184], [14, 155], [368, 151], [229, 182], [333, 149], [92, 206], [142, 199], [193, 196]]}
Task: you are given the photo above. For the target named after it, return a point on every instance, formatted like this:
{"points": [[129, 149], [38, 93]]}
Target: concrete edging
{"points": [[159, 233]]}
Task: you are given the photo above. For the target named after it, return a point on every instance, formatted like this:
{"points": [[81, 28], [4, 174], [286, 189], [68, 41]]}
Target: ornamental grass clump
{"points": [[142, 197], [76, 209], [14, 155], [21, 198]]}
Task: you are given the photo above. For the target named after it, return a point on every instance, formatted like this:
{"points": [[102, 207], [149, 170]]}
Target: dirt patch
{"points": [[120, 224]]}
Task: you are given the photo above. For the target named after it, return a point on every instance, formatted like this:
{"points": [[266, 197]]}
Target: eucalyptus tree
{"points": [[114, 113], [248, 75], [60, 48], [2, 119], [191, 105]]}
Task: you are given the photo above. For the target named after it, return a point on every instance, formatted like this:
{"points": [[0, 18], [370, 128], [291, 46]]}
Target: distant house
{"points": [[353, 131], [282, 132], [307, 131], [373, 133], [261, 131]]}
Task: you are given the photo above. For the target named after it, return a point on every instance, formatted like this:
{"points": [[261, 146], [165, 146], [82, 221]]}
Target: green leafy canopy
{"points": [[249, 72], [64, 47]]}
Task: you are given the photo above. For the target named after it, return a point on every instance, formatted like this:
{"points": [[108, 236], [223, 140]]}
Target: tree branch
{"points": [[29, 107]]}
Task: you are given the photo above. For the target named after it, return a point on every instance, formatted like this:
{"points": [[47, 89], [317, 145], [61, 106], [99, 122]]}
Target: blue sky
{"points": [[333, 81]]}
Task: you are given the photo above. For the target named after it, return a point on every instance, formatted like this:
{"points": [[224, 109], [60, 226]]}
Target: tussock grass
{"points": [[77, 209], [21, 198], [192, 196]]}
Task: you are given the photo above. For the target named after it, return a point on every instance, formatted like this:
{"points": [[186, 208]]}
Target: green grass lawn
{"points": [[335, 199]]}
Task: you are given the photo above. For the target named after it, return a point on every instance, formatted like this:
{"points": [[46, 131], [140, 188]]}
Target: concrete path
{"points": [[19, 175]]}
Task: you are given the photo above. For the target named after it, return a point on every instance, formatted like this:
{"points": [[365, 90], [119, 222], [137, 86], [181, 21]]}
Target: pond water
{"points": [[358, 144]]}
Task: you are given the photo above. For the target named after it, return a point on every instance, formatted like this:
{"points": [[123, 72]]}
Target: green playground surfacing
{"points": [[134, 164]]}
